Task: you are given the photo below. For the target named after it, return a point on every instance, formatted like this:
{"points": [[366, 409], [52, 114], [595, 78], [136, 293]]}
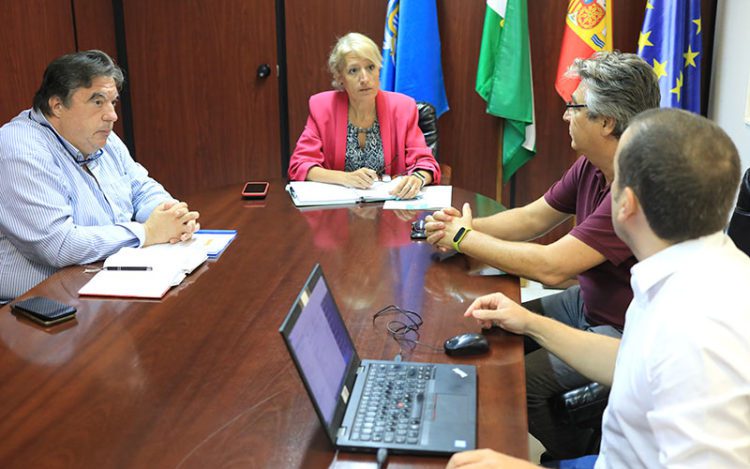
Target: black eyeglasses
{"points": [[569, 106]]}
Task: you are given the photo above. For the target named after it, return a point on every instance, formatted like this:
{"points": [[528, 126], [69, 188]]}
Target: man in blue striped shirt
{"points": [[71, 192]]}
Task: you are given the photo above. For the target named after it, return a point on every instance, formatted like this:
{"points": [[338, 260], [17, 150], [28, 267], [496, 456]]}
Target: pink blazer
{"points": [[323, 141]]}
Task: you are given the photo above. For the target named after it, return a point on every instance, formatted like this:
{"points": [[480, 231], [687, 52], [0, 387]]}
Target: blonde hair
{"points": [[352, 43]]}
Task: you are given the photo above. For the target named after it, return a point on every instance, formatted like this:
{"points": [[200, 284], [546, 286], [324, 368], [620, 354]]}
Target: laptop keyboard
{"points": [[390, 410]]}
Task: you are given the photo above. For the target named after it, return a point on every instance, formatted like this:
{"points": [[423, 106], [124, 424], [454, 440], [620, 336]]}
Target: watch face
{"points": [[460, 232]]}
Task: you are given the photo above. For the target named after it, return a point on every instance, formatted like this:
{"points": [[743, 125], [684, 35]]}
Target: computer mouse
{"points": [[417, 230], [470, 343]]}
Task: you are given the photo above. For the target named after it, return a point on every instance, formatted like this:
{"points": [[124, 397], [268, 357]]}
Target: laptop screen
{"points": [[322, 347]]}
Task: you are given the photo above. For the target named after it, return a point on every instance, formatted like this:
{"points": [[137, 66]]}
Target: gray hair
{"points": [[69, 72], [352, 43], [618, 85]]}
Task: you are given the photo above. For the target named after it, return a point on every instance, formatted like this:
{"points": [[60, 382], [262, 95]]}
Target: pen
{"points": [[128, 268]]}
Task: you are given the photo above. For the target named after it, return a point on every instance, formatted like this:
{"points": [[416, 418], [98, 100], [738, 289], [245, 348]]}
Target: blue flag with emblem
{"points": [[670, 41], [411, 52]]}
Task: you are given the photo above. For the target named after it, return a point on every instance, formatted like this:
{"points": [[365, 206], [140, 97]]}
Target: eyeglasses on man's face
{"points": [[569, 106]]}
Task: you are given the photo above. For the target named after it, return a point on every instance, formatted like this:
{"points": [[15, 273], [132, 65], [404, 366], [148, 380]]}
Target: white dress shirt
{"points": [[681, 389], [55, 213]]}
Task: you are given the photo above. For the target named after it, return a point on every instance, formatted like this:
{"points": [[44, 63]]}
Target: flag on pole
{"points": [[504, 79], [411, 52], [670, 41], [588, 29]]}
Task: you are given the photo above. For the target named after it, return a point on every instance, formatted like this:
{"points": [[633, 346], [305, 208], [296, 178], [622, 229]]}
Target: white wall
{"points": [[731, 73]]}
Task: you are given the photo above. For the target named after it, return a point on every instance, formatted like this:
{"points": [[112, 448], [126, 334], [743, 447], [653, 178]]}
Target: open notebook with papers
{"points": [[146, 272], [308, 193]]}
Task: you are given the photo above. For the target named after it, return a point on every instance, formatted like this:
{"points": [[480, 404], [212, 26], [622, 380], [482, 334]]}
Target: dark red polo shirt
{"points": [[605, 289]]}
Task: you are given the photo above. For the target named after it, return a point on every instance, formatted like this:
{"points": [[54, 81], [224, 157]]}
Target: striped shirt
{"points": [[54, 213]]}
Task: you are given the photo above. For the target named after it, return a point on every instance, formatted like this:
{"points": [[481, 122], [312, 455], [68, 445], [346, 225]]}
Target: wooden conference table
{"points": [[202, 378]]}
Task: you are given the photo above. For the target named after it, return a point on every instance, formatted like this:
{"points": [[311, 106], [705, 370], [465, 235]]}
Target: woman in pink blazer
{"points": [[358, 133]]}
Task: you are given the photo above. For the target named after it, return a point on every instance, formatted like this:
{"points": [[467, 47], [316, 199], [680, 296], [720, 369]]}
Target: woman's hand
{"points": [[408, 187], [359, 179]]}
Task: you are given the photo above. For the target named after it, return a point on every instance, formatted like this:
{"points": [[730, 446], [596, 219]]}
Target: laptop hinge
{"points": [[361, 369], [341, 433]]}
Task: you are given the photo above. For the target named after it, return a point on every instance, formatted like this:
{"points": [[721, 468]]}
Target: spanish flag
{"points": [[588, 29]]}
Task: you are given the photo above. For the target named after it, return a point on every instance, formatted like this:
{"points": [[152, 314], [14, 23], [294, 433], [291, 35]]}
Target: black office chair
{"points": [[739, 225], [583, 407], [428, 124]]}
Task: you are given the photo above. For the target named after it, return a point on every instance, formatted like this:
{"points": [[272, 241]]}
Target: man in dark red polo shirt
{"points": [[614, 88]]}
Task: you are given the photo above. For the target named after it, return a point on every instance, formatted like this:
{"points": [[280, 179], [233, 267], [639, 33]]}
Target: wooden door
{"points": [[201, 116], [312, 28]]}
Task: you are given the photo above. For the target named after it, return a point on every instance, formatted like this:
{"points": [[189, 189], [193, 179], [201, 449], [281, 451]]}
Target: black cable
{"points": [[404, 330]]}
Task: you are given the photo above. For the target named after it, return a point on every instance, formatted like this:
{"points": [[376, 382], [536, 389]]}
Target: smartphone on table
{"points": [[255, 190], [44, 311]]}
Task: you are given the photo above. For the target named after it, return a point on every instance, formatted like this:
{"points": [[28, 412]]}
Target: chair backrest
{"points": [[428, 124], [739, 225]]}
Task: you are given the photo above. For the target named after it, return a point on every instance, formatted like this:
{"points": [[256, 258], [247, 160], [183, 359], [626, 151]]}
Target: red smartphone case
{"points": [[258, 192]]}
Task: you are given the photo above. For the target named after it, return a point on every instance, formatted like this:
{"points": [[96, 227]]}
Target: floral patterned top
{"points": [[371, 156]]}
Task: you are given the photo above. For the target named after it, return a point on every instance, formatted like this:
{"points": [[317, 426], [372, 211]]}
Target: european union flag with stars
{"points": [[671, 42]]}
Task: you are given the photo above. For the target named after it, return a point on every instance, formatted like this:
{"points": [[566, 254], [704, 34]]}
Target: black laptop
{"points": [[364, 405]]}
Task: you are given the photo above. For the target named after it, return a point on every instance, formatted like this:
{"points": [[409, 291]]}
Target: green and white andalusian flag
{"points": [[504, 79]]}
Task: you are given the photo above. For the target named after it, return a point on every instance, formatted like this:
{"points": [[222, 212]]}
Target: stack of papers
{"points": [[308, 193], [432, 198], [214, 241], [146, 272]]}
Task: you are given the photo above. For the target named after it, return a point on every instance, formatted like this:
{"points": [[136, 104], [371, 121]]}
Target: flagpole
{"points": [[499, 180]]}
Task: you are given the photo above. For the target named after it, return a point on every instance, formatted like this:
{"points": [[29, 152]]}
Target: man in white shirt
{"points": [[680, 376]]}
